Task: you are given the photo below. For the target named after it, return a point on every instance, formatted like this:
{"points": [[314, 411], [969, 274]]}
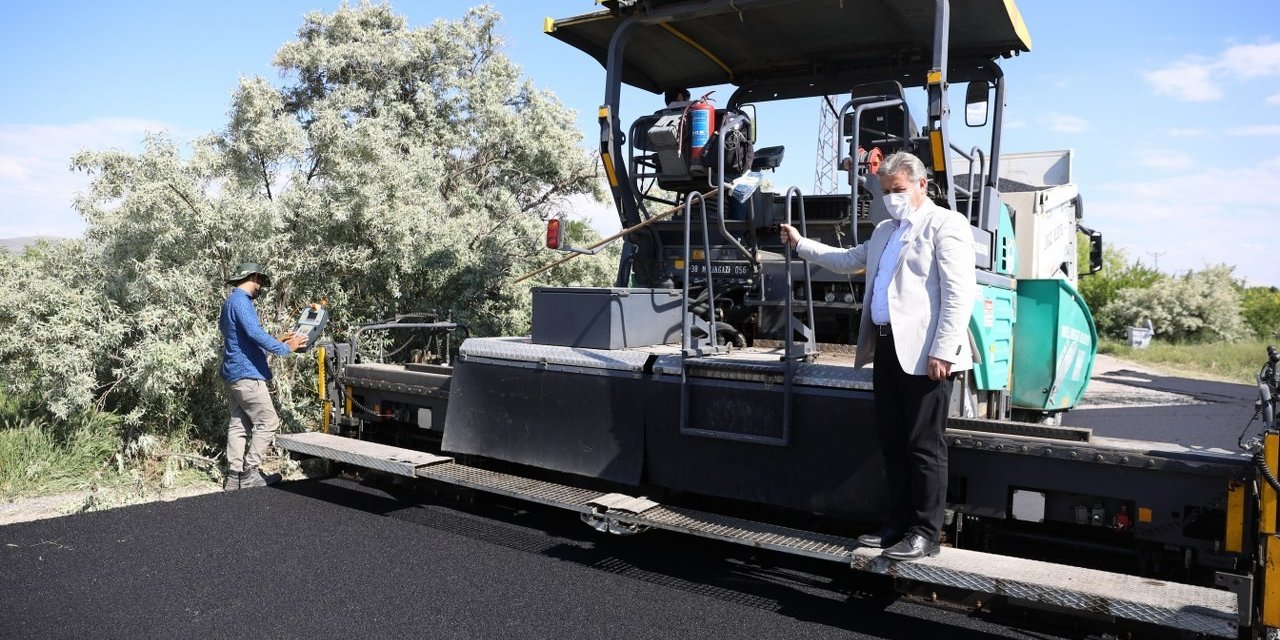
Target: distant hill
{"points": [[17, 244]]}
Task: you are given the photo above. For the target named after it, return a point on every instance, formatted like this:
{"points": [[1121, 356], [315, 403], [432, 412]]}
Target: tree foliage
{"points": [[1261, 309], [1201, 306], [393, 170], [1101, 288]]}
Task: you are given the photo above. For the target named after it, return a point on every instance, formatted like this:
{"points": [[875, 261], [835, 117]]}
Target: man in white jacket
{"points": [[915, 319]]}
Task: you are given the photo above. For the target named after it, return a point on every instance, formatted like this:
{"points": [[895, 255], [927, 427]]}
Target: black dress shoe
{"points": [[882, 538], [912, 547]]}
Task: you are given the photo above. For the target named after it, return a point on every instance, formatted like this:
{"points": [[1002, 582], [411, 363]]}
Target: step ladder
{"points": [[1201, 610]]}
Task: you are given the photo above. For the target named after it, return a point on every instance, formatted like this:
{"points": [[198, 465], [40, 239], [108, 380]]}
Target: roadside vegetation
{"points": [[1227, 361], [384, 169], [44, 454], [1206, 323]]}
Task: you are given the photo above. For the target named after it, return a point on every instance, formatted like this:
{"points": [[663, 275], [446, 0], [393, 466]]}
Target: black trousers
{"points": [[911, 412]]}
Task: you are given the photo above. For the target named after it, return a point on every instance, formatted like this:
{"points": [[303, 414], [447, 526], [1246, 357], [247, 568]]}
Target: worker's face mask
{"points": [[898, 204]]}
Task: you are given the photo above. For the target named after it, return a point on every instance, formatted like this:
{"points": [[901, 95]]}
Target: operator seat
{"points": [[890, 128]]}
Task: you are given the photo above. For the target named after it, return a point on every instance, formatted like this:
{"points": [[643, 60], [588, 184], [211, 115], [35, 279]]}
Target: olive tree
{"points": [[389, 170]]}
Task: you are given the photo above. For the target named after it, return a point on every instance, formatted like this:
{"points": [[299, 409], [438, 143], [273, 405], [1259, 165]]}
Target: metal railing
{"points": [[973, 188]]}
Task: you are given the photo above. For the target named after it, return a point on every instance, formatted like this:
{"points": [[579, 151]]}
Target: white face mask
{"points": [[898, 204]]}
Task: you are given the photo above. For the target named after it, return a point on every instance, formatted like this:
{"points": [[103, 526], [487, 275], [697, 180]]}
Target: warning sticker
{"points": [[988, 312]]}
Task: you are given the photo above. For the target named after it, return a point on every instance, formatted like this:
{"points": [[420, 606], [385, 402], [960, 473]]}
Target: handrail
{"points": [[720, 200], [790, 355], [982, 175], [686, 341], [860, 105], [808, 283]]}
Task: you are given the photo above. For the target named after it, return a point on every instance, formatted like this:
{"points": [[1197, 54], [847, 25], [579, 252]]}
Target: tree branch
{"points": [[266, 177]]}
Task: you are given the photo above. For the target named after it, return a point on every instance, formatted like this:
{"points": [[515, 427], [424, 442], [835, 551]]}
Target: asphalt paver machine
{"points": [[711, 389]]}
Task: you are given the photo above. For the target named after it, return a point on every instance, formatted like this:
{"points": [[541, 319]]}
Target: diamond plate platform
{"points": [[1175, 605], [521, 350], [370, 455]]}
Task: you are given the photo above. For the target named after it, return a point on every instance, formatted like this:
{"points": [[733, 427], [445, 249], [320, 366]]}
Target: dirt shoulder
{"points": [[61, 504]]}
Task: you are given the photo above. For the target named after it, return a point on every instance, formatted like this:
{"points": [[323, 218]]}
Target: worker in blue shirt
{"points": [[244, 368]]}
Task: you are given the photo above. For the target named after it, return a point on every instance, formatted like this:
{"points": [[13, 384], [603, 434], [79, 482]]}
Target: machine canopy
{"points": [[696, 43]]}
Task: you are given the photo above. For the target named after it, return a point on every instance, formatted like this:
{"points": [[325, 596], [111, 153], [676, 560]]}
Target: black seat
{"points": [[767, 158], [890, 128]]}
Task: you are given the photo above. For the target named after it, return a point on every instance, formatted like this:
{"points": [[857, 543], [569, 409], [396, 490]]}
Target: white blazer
{"points": [[930, 295]]}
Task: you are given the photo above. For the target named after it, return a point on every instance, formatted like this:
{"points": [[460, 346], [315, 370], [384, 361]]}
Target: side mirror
{"points": [[976, 97], [1095, 249]]}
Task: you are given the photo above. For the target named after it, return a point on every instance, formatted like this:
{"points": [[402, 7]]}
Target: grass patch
{"points": [[1229, 361], [41, 455]]}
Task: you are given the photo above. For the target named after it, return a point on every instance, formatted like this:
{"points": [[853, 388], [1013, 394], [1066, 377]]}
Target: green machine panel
{"points": [[1005, 251], [991, 326], [1056, 344]]}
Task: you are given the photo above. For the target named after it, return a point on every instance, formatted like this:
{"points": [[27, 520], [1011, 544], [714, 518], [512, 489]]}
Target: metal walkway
{"points": [[1202, 610]]}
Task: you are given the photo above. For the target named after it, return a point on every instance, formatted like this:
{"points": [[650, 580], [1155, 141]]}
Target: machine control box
{"points": [[311, 323]]}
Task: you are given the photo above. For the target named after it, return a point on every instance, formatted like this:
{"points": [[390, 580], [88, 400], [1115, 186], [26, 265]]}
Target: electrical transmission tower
{"points": [[826, 169]]}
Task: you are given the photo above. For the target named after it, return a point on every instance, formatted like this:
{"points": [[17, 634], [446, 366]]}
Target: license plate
{"points": [[720, 269]]}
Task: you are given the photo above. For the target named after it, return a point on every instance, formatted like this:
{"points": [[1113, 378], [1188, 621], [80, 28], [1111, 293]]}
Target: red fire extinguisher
{"points": [[702, 124]]}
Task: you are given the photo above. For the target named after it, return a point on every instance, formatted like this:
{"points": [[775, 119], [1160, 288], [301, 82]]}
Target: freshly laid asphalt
{"points": [[1219, 414], [336, 558], [333, 558]]}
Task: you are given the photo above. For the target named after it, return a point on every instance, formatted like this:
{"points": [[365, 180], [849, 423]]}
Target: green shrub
{"points": [[1261, 309], [1117, 274], [1202, 306]]}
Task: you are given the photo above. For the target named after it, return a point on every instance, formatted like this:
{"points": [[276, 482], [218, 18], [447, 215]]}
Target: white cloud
{"points": [[1198, 79], [1274, 100], [1067, 124], [1189, 82], [1251, 60], [1168, 215], [1187, 133], [36, 183], [1167, 160], [1255, 130], [12, 169]]}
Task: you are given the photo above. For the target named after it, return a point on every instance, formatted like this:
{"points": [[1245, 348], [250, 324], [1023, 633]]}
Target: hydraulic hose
{"points": [[732, 333], [1260, 462]]}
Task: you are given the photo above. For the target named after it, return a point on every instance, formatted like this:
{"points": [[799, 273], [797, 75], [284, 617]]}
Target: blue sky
{"points": [[1172, 108]]}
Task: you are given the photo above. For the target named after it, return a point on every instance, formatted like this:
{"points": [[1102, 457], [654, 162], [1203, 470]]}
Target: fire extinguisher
{"points": [[703, 124]]}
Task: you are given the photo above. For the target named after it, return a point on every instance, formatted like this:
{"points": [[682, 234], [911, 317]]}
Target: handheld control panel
{"points": [[311, 324]]}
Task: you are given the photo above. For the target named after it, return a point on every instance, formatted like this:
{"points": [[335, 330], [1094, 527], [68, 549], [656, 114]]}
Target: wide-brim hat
{"points": [[247, 269]]}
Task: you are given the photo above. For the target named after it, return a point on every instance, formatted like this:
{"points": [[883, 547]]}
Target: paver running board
{"points": [[1202, 610], [370, 455]]}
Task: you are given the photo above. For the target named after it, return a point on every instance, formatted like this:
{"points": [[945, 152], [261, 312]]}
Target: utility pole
{"points": [[826, 169], [1155, 258]]}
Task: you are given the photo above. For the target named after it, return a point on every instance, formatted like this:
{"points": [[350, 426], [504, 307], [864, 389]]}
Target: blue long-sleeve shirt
{"points": [[244, 342]]}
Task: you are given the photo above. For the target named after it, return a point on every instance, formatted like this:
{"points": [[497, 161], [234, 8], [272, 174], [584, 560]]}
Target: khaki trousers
{"points": [[252, 413]]}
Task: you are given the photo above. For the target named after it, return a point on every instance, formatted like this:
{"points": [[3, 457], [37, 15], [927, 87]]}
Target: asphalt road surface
{"points": [[335, 558], [327, 559], [1128, 401]]}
